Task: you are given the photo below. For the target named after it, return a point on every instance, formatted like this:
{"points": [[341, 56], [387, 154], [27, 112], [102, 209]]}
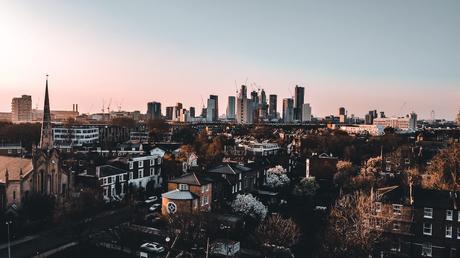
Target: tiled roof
{"points": [[14, 166], [179, 195]]}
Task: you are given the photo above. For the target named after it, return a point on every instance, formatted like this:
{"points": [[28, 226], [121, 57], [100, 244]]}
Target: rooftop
{"points": [[14, 165]]}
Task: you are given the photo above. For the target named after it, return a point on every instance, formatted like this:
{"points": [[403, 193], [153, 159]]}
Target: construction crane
{"points": [[401, 109], [103, 106], [108, 106]]}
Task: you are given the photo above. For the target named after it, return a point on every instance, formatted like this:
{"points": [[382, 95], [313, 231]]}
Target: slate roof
{"points": [[229, 169], [436, 199], [108, 170], [179, 195], [191, 179], [14, 166]]}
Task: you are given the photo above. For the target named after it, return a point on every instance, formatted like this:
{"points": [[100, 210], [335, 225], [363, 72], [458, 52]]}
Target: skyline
{"points": [[139, 53]]}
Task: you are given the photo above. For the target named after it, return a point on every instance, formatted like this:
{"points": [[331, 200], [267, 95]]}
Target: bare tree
{"points": [[351, 230], [277, 231]]}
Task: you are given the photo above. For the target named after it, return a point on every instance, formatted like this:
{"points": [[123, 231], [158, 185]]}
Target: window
{"points": [[428, 213], [427, 250], [130, 165], [458, 216], [407, 161], [183, 187], [130, 175], [141, 163], [239, 186], [152, 162], [397, 209], [239, 176], [378, 206], [388, 168], [396, 226], [104, 181], [141, 173], [204, 188], [449, 214], [152, 171], [14, 195], [427, 229], [449, 231], [458, 233], [195, 203]]}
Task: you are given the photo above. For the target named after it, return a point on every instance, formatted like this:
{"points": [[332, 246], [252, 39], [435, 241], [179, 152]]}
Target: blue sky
{"points": [[359, 54]]}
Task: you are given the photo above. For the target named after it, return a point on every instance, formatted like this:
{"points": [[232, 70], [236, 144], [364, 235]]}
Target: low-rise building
{"points": [[113, 182], [188, 193]]}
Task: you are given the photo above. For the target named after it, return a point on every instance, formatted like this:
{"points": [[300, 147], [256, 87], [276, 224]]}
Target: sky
{"points": [[394, 56]]}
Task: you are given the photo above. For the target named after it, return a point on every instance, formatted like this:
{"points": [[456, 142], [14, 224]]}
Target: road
{"points": [[63, 235]]}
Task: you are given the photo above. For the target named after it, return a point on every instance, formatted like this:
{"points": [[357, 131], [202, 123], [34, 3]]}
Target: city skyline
{"points": [[134, 61]]}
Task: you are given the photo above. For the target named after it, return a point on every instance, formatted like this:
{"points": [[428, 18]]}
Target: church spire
{"points": [[46, 139]]}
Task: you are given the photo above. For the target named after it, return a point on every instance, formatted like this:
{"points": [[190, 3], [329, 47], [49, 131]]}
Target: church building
{"points": [[43, 174]]}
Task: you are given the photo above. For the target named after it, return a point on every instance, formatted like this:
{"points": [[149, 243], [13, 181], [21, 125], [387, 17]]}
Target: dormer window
{"points": [[183, 187]]}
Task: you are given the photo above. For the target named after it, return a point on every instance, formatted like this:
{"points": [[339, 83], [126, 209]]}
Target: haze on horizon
{"points": [[356, 54]]}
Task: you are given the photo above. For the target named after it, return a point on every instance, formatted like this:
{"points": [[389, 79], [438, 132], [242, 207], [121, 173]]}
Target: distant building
{"points": [[244, 113], [370, 117], [5, 117], [299, 101], [321, 167], [154, 110], [374, 130], [192, 112], [169, 113], [342, 115], [288, 110], [21, 109], [75, 135], [113, 182], [273, 103], [216, 107], [231, 108], [211, 110], [458, 118], [407, 123], [306, 112]]}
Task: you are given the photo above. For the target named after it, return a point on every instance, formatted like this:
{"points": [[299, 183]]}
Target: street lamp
{"points": [[9, 247]]}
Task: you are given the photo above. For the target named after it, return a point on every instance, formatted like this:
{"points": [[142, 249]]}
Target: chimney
{"points": [[76, 107]]}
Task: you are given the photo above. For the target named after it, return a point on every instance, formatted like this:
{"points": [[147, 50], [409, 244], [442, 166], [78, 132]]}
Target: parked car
{"points": [[153, 247], [154, 207], [151, 199]]}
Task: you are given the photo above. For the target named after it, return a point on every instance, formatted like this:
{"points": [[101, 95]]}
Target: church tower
{"points": [[46, 138]]}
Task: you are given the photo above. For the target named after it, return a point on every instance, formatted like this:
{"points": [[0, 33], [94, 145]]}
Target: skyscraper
{"points": [[299, 101], [231, 108], [288, 110], [154, 110], [211, 110], [192, 112], [342, 115], [273, 106], [306, 112], [216, 106], [46, 137], [243, 107], [169, 113], [21, 109]]}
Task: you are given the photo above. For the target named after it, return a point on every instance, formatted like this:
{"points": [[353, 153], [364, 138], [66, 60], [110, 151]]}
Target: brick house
{"points": [[187, 193]]}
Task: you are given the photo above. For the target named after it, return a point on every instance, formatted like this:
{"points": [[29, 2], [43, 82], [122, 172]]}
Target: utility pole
{"points": [[9, 245]]}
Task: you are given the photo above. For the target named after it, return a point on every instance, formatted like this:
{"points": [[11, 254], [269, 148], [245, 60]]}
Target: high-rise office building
{"points": [[231, 108], [169, 113], [21, 109], [342, 115], [273, 106], [370, 117], [306, 112], [154, 110], [243, 107], [263, 106], [216, 107], [299, 101], [288, 110], [211, 110], [192, 111]]}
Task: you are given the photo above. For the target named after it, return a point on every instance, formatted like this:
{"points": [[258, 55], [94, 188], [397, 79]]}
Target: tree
{"points": [[306, 187], [38, 207], [443, 171], [276, 177], [123, 122], [350, 232], [277, 231], [248, 206]]}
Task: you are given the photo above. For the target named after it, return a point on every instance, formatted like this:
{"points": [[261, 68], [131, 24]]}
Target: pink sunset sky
{"points": [[94, 53]]}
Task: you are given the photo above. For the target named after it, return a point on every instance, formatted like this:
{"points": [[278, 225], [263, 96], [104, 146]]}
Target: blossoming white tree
{"points": [[248, 205], [276, 177]]}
